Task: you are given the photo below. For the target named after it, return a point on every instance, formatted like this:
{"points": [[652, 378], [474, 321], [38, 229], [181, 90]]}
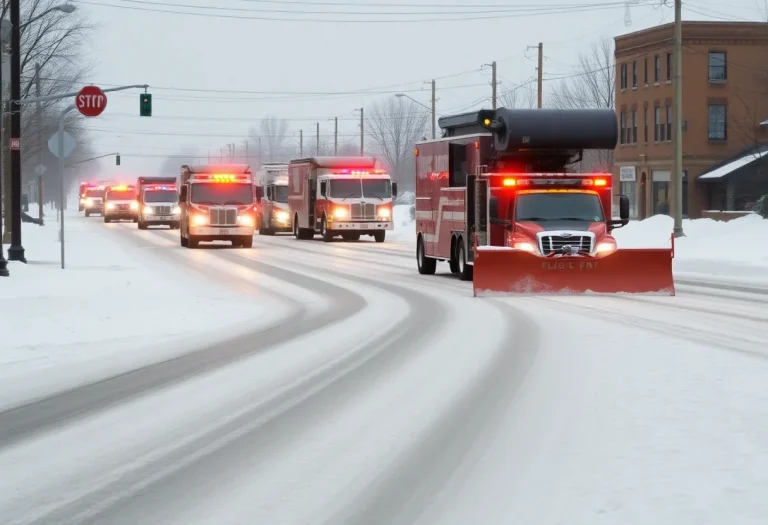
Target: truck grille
{"points": [[555, 243], [162, 210], [222, 216], [123, 207], [363, 211]]}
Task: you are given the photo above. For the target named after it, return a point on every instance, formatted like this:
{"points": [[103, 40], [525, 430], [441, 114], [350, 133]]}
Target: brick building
{"points": [[725, 101]]}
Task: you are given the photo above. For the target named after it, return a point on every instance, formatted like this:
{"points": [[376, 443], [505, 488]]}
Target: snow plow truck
{"points": [[498, 199]]}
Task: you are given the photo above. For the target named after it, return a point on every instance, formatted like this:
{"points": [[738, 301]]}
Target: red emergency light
{"points": [[154, 187], [122, 187], [359, 172], [222, 177], [569, 179]]}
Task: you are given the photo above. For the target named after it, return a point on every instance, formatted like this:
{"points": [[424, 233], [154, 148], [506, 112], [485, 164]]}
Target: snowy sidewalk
{"points": [[113, 308]]}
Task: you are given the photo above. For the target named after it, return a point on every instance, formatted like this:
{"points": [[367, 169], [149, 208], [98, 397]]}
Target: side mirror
{"points": [[394, 190], [624, 208], [259, 193], [493, 208]]}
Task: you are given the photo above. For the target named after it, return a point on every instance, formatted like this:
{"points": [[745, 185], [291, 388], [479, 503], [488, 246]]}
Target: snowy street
{"points": [[330, 383]]}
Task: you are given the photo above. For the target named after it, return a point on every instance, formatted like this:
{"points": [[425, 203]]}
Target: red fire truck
{"points": [[272, 193], [120, 203], [158, 202], [217, 204], [497, 198], [347, 196]]}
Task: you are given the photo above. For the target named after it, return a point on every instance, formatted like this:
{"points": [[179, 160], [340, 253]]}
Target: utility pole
{"points": [[40, 142], [493, 83], [362, 132], [16, 250], [434, 111], [301, 143], [541, 71], [678, 118], [259, 152], [317, 139], [246, 154], [335, 135], [4, 34]]}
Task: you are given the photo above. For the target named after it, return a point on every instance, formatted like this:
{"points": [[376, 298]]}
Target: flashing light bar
{"points": [[163, 187], [222, 177], [359, 172], [123, 187], [562, 179]]}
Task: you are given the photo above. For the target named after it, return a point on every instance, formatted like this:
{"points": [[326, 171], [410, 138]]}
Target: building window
{"points": [[669, 122], [669, 66], [634, 126], [634, 74], [623, 129], [656, 68], [623, 76], [646, 71], [717, 119], [717, 69], [645, 124], [658, 127]]}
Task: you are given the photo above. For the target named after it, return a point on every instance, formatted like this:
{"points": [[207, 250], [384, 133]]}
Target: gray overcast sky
{"points": [[231, 48]]}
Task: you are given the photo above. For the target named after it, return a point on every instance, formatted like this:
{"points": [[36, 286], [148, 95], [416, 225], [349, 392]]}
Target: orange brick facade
{"points": [[725, 98]]}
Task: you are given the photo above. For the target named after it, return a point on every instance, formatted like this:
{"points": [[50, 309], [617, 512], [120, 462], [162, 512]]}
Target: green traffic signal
{"points": [[145, 105], [117, 160]]}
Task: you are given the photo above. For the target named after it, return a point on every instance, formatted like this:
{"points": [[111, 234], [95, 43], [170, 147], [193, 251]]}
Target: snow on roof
{"points": [[726, 169], [341, 162]]}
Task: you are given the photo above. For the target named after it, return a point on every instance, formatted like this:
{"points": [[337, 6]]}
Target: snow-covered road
{"points": [[377, 395]]}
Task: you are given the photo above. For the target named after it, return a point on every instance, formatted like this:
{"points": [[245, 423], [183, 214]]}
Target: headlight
{"points": [[384, 212], [110, 206], [340, 213], [134, 205], [177, 210], [282, 216], [525, 246], [245, 220], [89, 201], [148, 210], [606, 247], [199, 220]]}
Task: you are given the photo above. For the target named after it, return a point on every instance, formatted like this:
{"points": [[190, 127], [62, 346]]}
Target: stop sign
{"points": [[91, 101]]}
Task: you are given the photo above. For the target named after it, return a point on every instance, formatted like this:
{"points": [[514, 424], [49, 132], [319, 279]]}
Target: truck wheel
{"points": [[192, 242], [426, 265], [247, 241], [142, 226], [379, 236], [87, 214], [327, 235], [183, 241], [296, 229], [466, 271], [453, 262], [107, 219]]}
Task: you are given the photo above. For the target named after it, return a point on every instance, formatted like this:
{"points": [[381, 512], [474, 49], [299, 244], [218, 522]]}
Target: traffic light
{"points": [[117, 160], [145, 105]]}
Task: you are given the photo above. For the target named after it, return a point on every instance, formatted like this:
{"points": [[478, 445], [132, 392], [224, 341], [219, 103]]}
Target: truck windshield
{"points": [[94, 193], [160, 196], [222, 194], [121, 195], [280, 194], [558, 207], [379, 188]]}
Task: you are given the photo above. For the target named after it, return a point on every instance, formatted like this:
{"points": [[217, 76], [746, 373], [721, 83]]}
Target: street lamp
{"points": [[432, 109], [16, 250]]}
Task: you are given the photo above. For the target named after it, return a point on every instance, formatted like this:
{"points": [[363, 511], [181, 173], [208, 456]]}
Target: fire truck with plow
{"points": [[497, 199], [272, 194], [217, 204], [346, 196]]}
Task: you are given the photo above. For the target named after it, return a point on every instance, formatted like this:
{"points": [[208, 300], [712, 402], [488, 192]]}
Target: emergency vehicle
{"points": [[158, 202], [92, 199], [120, 203], [497, 199], [81, 195], [347, 196], [272, 194], [217, 204]]}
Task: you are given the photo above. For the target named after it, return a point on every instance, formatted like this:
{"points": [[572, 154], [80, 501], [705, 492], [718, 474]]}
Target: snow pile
{"points": [[406, 197], [114, 307], [730, 249], [404, 227]]}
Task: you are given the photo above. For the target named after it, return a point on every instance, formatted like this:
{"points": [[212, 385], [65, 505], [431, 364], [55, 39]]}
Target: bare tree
{"points": [[395, 125], [593, 85], [273, 132], [522, 96]]}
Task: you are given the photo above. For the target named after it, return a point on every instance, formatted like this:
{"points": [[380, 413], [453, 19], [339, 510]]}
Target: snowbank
{"points": [[404, 227], [730, 249], [113, 308]]}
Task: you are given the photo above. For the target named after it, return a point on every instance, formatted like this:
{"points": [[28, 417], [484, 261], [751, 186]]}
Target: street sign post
{"points": [[40, 169], [91, 101]]}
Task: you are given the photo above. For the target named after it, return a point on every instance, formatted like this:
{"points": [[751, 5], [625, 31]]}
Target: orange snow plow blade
{"points": [[508, 271]]}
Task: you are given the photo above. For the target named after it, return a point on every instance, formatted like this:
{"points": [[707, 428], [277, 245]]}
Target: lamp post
{"points": [[432, 109], [5, 36], [16, 250]]}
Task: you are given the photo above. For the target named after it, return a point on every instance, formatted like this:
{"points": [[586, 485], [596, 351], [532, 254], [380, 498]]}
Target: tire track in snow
{"points": [[25, 421], [269, 425]]}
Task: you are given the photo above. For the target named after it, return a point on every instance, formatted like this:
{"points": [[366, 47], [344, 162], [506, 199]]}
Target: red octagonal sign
{"points": [[91, 101]]}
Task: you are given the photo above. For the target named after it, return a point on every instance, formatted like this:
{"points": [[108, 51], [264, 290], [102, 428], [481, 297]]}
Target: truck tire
{"points": [[246, 241], [183, 241], [379, 236], [466, 271], [327, 235], [296, 229], [192, 242], [453, 263], [426, 265], [142, 225], [87, 213], [107, 219]]}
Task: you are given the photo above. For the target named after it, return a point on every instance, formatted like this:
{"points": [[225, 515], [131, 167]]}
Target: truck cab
{"points": [[272, 195], [158, 202], [217, 204], [120, 203], [340, 196], [92, 200]]}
